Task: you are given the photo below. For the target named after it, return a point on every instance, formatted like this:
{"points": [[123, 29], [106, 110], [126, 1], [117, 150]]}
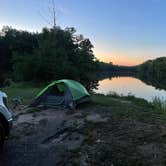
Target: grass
{"points": [[25, 91], [120, 105], [105, 100], [125, 106], [159, 105], [114, 99]]}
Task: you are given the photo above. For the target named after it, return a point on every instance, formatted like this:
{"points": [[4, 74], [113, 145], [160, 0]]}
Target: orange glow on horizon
{"points": [[120, 59], [126, 61]]}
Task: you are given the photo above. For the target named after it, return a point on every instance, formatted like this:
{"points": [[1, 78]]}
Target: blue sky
{"points": [[126, 32]]}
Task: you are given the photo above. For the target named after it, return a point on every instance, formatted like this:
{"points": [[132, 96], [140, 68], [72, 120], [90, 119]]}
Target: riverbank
{"points": [[121, 104], [111, 130]]}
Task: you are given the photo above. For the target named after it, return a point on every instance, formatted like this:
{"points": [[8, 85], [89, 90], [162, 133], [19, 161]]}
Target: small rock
{"points": [[96, 118], [98, 141]]}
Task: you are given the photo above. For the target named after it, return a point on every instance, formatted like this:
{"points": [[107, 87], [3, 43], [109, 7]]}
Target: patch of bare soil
{"points": [[124, 142], [89, 137]]}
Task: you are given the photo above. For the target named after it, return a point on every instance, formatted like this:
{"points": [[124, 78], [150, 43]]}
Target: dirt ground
{"points": [[90, 137]]}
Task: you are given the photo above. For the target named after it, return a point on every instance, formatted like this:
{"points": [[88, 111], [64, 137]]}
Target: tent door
{"points": [[54, 101]]}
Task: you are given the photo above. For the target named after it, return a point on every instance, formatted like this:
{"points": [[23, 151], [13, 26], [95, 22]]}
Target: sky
{"points": [[125, 32]]}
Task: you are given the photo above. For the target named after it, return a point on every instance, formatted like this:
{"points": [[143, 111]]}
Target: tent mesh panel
{"points": [[54, 101]]}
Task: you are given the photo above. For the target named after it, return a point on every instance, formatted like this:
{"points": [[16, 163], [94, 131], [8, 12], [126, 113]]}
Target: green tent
{"points": [[62, 93]]}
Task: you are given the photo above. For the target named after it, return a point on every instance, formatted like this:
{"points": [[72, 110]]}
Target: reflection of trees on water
{"points": [[110, 75], [158, 84], [93, 84]]}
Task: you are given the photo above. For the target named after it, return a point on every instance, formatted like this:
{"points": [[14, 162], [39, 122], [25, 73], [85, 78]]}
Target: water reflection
{"points": [[125, 85]]}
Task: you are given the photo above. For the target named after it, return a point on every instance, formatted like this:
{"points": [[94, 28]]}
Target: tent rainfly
{"points": [[62, 93]]}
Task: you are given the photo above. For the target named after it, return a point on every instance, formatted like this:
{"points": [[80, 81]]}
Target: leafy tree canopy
{"points": [[54, 53]]}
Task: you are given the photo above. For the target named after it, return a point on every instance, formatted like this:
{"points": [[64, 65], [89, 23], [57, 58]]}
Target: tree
{"points": [[59, 54], [153, 72]]}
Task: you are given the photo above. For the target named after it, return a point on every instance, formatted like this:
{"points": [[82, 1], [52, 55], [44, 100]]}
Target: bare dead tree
{"points": [[54, 13], [50, 15]]}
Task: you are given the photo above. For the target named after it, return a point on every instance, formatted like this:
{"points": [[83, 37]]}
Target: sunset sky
{"points": [[126, 32]]}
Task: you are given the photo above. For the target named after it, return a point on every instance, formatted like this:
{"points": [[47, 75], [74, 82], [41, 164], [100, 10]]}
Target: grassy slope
{"points": [[128, 106], [26, 91]]}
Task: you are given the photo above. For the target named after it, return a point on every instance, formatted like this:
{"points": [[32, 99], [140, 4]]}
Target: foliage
{"points": [[11, 41], [153, 72], [26, 91], [52, 54], [159, 105]]}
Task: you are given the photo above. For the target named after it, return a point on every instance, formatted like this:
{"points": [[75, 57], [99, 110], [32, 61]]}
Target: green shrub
{"points": [[159, 104]]}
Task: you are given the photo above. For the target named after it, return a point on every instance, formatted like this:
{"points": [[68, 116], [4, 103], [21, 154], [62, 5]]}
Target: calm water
{"points": [[126, 85]]}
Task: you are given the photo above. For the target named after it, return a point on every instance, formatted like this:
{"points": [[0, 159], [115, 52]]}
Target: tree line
{"points": [[57, 53], [154, 68], [54, 53], [109, 67], [153, 72]]}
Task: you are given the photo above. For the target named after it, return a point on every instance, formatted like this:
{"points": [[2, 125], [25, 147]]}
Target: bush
{"points": [[159, 105]]}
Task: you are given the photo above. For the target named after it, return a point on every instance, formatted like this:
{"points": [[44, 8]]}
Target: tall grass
{"points": [[25, 91], [159, 104]]}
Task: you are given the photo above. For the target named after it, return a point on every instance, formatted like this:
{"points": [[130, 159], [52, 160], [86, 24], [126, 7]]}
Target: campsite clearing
{"points": [[97, 134], [111, 130]]}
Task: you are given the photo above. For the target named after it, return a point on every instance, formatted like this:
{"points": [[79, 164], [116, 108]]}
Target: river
{"points": [[127, 85]]}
